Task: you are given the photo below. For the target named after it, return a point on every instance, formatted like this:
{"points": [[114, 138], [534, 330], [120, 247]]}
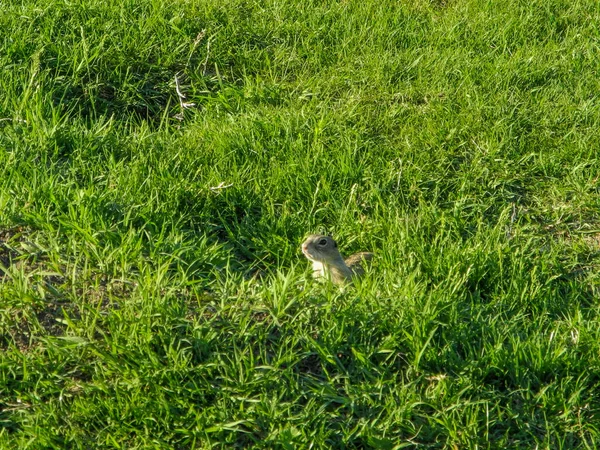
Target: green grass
{"points": [[152, 291]]}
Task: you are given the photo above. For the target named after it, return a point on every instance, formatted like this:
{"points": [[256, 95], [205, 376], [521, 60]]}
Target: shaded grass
{"points": [[153, 294]]}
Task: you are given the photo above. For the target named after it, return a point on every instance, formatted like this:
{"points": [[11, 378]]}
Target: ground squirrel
{"points": [[328, 262]]}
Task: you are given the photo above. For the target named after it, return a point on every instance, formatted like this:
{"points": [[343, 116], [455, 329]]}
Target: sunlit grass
{"points": [[152, 291]]}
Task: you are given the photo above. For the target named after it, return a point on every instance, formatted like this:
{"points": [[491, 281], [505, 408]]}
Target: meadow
{"points": [[162, 161]]}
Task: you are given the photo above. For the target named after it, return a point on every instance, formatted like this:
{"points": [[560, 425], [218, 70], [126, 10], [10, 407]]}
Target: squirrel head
{"points": [[318, 247]]}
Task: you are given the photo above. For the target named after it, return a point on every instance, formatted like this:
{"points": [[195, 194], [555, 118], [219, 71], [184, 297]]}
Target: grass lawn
{"points": [[162, 160]]}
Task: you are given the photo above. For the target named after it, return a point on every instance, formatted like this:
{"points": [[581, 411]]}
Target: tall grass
{"points": [[152, 291]]}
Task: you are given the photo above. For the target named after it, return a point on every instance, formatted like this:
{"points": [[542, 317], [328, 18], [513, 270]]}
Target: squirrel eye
{"points": [[323, 242]]}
